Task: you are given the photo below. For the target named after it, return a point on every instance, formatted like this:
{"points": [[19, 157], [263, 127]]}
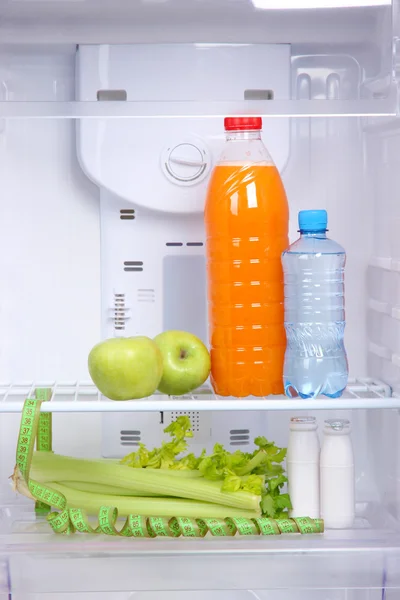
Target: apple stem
{"points": [[183, 354]]}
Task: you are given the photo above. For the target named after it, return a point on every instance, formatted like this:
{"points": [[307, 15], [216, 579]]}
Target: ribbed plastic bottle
{"points": [[246, 219], [315, 359]]}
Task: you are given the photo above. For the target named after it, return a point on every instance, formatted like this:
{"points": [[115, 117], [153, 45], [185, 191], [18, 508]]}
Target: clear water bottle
{"points": [[315, 359]]}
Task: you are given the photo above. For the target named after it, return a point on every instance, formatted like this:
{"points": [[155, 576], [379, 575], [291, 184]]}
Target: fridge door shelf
{"points": [[39, 561], [84, 397]]}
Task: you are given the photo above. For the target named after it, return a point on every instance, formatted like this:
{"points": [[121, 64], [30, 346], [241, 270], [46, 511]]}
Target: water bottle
{"points": [[315, 358]]}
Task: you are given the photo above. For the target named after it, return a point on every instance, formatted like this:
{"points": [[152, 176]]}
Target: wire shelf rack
{"points": [[73, 396]]}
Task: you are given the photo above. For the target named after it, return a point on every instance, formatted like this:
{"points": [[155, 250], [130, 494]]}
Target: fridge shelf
{"points": [[84, 397], [39, 561], [382, 107]]}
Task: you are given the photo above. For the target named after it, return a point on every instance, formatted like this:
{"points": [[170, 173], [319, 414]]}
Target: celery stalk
{"points": [[99, 488], [52, 467], [150, 507], [182, 473], [253, 463]]}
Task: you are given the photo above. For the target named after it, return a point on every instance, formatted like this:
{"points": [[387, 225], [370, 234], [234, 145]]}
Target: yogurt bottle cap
{"points": [[303, 424], [338, 424]]}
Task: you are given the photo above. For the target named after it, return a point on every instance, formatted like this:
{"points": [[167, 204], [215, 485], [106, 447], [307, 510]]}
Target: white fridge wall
{"points": [[383, 279], [188, 21], [49, 224], [49, 255]]}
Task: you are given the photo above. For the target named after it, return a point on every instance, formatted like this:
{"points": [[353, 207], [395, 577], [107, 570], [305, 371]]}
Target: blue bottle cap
{"points": [[313, 220]]}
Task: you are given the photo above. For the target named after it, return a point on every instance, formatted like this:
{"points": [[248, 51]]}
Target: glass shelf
{"points": [[38, 561], [384, 107]]}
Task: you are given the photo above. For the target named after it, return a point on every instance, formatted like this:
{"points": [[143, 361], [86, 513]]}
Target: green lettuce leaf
{"points": [[260, 472]]}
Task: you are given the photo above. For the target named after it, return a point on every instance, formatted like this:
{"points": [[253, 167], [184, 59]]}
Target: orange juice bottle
{"points": [[246, 218]]}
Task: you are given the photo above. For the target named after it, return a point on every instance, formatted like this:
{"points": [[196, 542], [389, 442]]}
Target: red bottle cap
{"points": [[242, 123]]}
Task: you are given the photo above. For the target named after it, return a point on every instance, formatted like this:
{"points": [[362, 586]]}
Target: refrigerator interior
{"points": [[102, 234]]}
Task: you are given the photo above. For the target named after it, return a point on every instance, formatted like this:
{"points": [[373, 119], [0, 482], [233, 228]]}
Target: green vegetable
{"points": [[98, 488], [166, 456], [259, 473], [47, 466], [169, 481], [151, 507]]}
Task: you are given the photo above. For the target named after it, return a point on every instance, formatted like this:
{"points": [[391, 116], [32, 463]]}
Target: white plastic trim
{"points": [[382, 262], [380, 351], [378, 306], [307, 4]]}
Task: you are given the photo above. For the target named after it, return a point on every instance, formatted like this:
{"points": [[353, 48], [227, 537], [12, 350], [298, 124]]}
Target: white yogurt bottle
{"points": [[302, 465], [337, 475]]}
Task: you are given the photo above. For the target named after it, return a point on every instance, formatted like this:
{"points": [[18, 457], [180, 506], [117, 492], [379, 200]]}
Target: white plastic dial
{"points": [[186, 163]]}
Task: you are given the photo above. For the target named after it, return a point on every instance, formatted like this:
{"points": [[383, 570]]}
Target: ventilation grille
{"points": [[239, 437], [146, 295], [130, 437], [127, 214], [189, 244], [194, 417], [133, 265], [119, 312]]}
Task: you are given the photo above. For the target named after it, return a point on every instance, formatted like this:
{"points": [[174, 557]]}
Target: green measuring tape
{"points": [[37, 427], [44, 437]]}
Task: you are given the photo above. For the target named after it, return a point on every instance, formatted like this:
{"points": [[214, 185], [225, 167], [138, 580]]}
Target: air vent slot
{"points": [[195, 244], [133, 265], [127, 214], [130, 432], [112, 95], [174, 244], [239, 437], [130, 437], [194, 417]]}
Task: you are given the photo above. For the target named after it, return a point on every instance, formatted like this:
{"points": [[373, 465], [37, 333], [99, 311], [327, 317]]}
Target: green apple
{"points": [[126, 368], [186, 362]]}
